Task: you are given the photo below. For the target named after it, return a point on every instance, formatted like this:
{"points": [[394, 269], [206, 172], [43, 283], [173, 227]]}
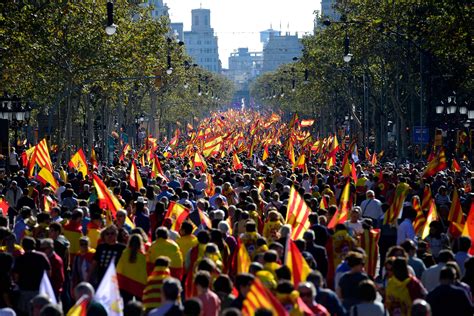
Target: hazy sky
{"points": [[237, 23]]}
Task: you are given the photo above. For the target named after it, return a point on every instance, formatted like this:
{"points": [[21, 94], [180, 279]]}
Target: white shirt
{"points": [[430, 277], [405, 231], [371, 208]]}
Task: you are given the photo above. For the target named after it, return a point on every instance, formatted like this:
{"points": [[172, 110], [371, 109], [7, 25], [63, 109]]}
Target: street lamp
{"points": [[347, 55], [111, 28], [16, 112]]}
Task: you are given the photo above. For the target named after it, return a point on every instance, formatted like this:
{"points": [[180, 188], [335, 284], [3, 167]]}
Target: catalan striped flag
{"points": [[178, 213], [436, 165], [331, 161], [297, 214], [420, 219], [392, 213], [45, 176], [260, 297], [135, 179], [236, 164], [345, 205], [456, 216], [469, 227], [205, 220], [369, 241], [297, 264], [78, 161], [427, 196], [432, 215], [40, 157]]}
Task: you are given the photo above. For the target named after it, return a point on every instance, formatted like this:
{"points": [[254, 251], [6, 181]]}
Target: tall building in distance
{"points": [[158, 8], [280, 49], [201, 43], [328, 10]]}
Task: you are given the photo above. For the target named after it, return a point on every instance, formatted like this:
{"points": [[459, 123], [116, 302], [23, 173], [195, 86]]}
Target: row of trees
{"points": [[407, 56], [57, 54]]}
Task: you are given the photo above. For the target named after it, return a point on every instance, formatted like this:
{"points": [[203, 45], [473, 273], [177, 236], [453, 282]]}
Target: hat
{"points": [[141, 199]]}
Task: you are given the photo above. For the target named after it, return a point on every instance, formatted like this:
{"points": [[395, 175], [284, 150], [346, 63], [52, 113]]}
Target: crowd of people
{"points": [[193, 264]]}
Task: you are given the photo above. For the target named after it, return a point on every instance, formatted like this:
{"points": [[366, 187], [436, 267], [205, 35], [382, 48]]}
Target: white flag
{"points": [[108, 293], [47, 289]]}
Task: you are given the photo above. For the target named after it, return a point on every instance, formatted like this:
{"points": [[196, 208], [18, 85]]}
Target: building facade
{"points": [[158, 8], [201, 43], [328, 10], [280, 49]]}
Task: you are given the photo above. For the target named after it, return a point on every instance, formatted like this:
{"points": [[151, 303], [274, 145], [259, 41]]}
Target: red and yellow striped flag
{"points": [[369, 241], [392, 213], [210, 190], [456, 216], [297, 214], [107, 200], [297, 264], [135, 179], [178, 213], [345, 205], [45, 176], [48, 203], [40, 157], [420, 219], [306, 123], [300, 163], [261, 297], [78, 161], [432, 216], [156, 170]]}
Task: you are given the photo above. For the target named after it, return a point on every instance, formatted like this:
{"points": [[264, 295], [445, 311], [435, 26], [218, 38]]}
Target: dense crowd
{"points": [[232, 244]]}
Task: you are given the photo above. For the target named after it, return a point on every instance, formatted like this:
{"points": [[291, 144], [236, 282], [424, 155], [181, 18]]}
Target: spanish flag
{"points": [[45, 176], [136, 182], [436, 165], [236, 164], [306, 123], [199, 162], [80, 309], [106, 199], [132, 276], [78, 161], [4, 206], [455, 166], [469, 227], [156, 170], [178, 213], [260, 297], [300, 163], [210, 185], [297, 264], [48, 203]]}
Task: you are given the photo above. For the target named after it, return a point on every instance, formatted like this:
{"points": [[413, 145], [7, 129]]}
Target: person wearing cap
{"points": [[371, 207]]}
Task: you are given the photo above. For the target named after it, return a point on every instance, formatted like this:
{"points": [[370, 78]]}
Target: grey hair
{"points": [[308, 285]]}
